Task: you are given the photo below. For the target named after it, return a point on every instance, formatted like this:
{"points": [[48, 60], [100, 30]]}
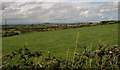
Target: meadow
{"points": [[59, 41], [84, 47]]}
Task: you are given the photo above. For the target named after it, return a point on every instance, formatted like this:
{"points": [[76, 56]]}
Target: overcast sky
{"points": [[58, 11]]}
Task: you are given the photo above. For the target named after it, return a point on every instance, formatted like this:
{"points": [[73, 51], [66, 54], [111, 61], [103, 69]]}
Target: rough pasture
{"points": [[59, 41]]}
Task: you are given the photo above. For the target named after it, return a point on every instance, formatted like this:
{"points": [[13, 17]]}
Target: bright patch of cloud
{"points": [[59, 11], [61, 0]]}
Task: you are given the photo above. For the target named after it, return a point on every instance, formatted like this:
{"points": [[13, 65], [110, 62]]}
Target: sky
{"points": [[57, 11]]}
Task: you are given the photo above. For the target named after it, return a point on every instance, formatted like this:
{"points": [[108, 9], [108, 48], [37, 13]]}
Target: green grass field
{"points": [[59, 41]]}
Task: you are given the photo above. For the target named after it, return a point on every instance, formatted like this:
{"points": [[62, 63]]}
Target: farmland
{"points": [[59, 41], [60, 35], [81, 47]]}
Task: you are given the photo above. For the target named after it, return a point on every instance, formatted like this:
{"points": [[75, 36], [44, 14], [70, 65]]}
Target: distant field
{"points": [[59, 41]]}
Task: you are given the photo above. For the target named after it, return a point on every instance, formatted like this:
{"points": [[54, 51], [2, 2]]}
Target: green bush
{"points": [[102, 58], [11, 33]]}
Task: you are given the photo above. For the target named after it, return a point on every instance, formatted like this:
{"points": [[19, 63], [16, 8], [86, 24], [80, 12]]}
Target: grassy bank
{"points": [[59, 41]]}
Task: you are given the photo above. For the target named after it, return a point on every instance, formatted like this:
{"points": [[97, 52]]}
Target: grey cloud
{"points": [[58, 11]]}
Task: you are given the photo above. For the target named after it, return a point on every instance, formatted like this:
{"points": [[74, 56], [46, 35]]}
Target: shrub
{"points": [[103, 57], [11, 33]]}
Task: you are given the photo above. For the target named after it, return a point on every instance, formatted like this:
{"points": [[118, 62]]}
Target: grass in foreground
{"points": [[103, 57]]}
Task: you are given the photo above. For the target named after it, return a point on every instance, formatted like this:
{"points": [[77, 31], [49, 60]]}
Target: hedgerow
{"points": [[104, 57]]}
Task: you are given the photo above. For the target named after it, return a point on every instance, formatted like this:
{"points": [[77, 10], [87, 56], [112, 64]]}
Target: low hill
{"points": [[59, 41]]}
